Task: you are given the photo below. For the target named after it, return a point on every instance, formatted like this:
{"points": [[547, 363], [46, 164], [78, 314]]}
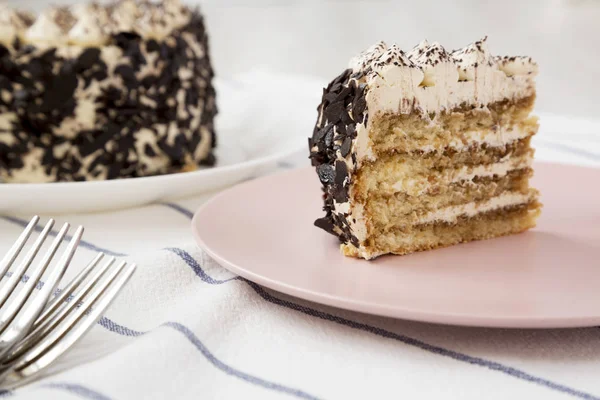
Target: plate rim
{"points": [[369, 308], [157, 179]]}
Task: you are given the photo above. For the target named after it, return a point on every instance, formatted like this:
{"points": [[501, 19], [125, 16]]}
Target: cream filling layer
{"points": [[421, 185], [363, 145], [499, 138], [451, 214]]}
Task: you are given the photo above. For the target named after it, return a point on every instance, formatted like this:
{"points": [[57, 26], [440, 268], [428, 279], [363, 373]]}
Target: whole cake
{"points": [[425, 149], [96, 92]]}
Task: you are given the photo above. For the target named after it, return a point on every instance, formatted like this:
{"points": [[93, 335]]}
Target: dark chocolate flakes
{"points": [[358, 108], [333, 112], [42, 89], [326, 173], [346, 145], [343, 105], [325, 224]]}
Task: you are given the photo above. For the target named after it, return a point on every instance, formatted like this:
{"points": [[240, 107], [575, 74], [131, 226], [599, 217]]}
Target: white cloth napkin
{"points": [[185, 328]]}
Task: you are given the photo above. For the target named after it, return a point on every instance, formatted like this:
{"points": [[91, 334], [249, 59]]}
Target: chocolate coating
{"points": [[343, 105], [150, 108]]}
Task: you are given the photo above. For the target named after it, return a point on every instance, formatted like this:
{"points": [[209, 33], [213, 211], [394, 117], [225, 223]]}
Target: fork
{"points": [[33, 335], [17, 316]]}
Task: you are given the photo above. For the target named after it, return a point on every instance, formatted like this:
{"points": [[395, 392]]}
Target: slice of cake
{"points": [[95, 92], [426, 149]]}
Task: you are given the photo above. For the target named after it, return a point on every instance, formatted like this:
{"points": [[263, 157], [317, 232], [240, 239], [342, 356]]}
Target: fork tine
{"points": [[64, 336], [8, 287], [57, 301], [16, 331], [72, 318], [14, 251], [31, 311], [50, 323]]}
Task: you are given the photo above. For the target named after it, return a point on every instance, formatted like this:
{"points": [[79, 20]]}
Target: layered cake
{"points": [[427, 148], [94, 92]]}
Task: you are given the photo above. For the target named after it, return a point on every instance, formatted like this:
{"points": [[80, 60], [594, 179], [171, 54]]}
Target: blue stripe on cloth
{"points": [[189, 260], [73, 388], [25, 278], [119, 329], [492, 365], [82, 243], [234, 372], [189, 335], [179, 209], [76, 389]]}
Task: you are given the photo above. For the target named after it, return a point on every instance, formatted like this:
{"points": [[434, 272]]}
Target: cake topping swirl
{"points": [[437, 65], [428, 79], [64, 18], [392, 56], [44, 30], [430, 55], [125, 15], [93, 24], [364, 59], [517, 65], [11, 24], [87, 31], [473, 56]]}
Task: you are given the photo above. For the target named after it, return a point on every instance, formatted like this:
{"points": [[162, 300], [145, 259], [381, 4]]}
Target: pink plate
{"points": [[545, 278]]}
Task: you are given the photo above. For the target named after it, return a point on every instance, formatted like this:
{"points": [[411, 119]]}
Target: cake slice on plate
{"points": [[426, 148]]}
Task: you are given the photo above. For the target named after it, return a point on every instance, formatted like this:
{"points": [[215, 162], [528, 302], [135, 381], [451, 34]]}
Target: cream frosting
{"points": [[32, 171], [501, 137], [44, 30], [451, 214], [428, 79], [87, 32], [125, 15], [417, 186], [7, 119], [93, 24], [158, 22], [500, 169], [10, 25]]}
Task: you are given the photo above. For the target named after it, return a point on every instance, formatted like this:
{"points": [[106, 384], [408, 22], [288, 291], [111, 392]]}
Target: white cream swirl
{"points": [[87, 31], [44, 30], [11, 25], [428, 79], [93, 24], [159, 20], [125, 15]]}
